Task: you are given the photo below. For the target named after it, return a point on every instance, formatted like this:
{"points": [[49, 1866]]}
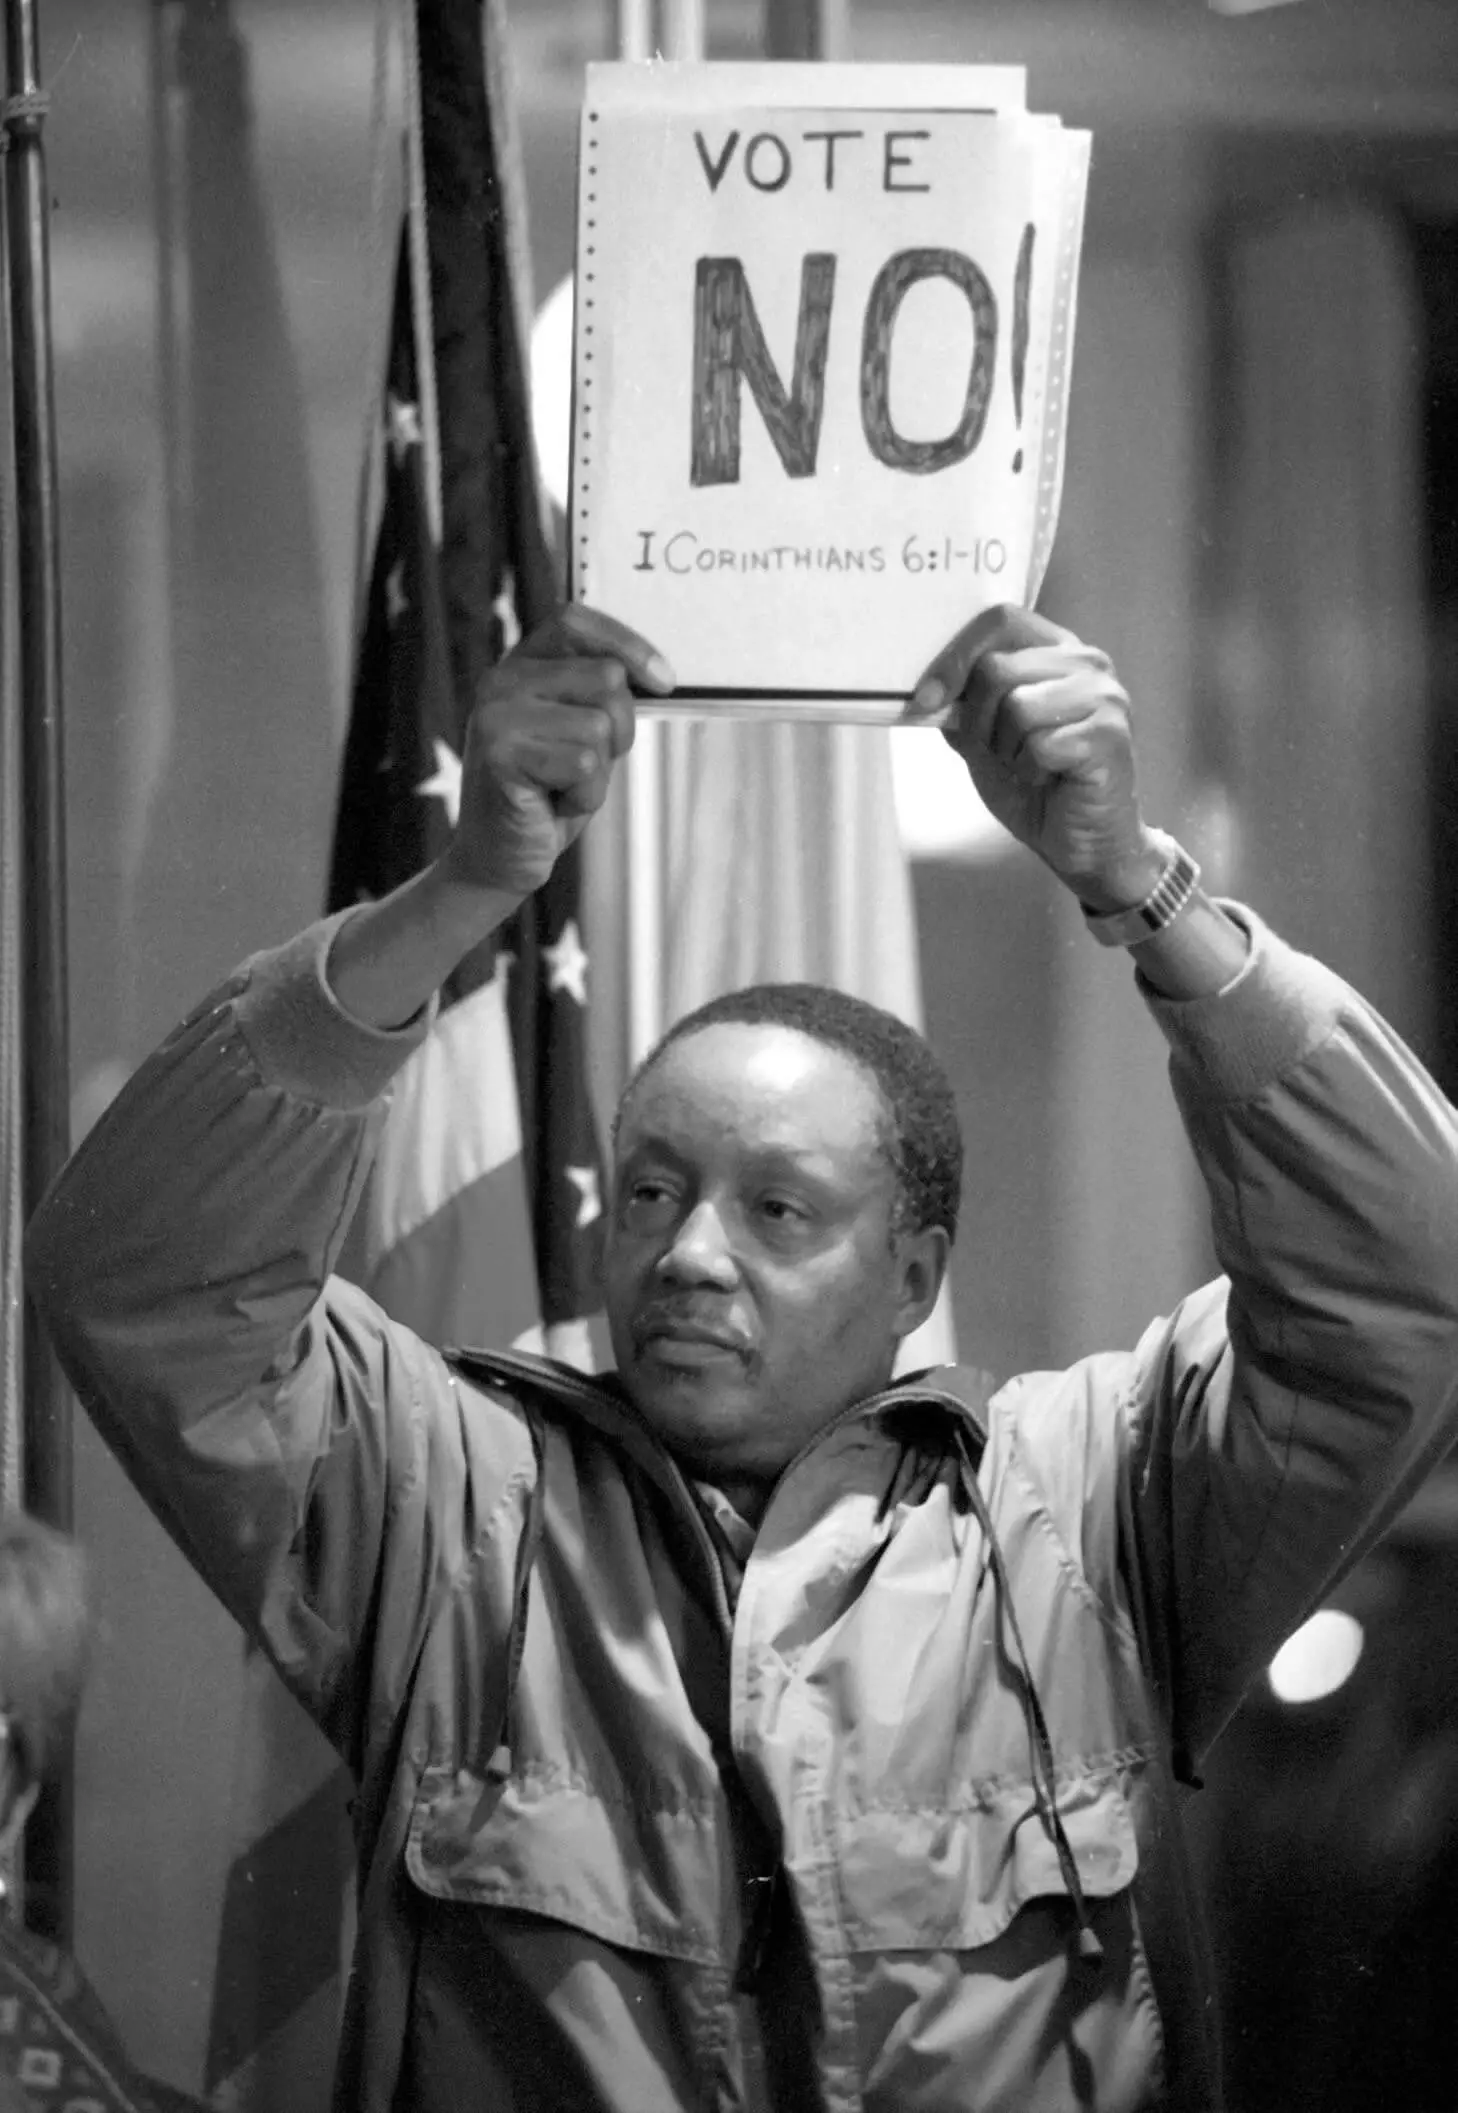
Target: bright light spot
{"points": [[938, 813], [552, 390], [1318, 1659]]}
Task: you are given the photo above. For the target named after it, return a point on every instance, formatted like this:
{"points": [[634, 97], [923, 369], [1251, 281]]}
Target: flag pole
{"points": [[806, 29], [680, 32], [685, 29], [44, 1057], [799, 29], [636, 38]]}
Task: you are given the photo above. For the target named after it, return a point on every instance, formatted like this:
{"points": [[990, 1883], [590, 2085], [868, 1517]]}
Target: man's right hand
{"points": [[551, 720], [549, 723]]}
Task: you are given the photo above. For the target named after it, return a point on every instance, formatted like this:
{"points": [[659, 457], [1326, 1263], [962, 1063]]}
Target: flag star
{"points": [[444, 782], [397, 601], [402, 427], [567, 963], [584, 1180]]}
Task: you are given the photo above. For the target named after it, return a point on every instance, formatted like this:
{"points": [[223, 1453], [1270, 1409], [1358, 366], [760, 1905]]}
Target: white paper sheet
{"points": [[822, 354]]}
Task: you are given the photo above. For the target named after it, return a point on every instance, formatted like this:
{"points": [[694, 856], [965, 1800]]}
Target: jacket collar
{"points": [[958, 1391]]}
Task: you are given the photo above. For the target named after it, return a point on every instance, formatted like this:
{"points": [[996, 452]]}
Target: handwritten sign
{"points": [[821, 359]]}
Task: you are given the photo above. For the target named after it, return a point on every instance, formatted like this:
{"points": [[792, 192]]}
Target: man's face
{"points": [[753, 1284]]}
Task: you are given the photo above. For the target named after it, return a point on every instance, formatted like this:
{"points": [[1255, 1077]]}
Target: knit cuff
{"points": [[1280, 1007], [301, 1037]]}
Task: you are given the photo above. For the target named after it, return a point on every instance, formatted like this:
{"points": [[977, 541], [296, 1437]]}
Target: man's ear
{"points": [[922, 1264]]}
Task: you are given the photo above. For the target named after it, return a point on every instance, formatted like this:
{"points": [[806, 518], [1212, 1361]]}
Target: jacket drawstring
{"points": [[1045, 1782], [498, 1768], [749, 1967]]}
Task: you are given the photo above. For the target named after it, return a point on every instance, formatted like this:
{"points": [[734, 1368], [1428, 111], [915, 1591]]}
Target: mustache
{"points": [[666, 1317]]}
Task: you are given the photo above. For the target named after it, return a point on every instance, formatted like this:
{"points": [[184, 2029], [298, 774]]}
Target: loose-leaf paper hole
{"points": [[824, 325]]}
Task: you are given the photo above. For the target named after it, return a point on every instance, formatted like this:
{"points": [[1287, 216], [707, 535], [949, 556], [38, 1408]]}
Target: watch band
{"points": [[1168, 899]]}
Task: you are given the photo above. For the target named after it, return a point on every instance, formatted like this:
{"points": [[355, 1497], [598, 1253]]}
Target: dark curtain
{"points": [[1435, 248]]}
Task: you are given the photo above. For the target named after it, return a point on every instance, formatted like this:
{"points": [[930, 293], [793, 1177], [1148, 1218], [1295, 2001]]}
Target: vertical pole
{"points": [[684, 29], [636, 40], [633, 28], [161, 66], [45, 1059], [806, 29], [681, 35], [820, 29]]}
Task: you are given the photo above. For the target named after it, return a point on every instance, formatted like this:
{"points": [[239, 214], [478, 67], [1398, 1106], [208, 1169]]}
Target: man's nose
{"points": [[700, 1252]]}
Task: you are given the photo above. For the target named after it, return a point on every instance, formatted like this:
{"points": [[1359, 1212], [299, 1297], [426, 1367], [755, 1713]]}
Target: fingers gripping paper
{"points": [[823, 334]]}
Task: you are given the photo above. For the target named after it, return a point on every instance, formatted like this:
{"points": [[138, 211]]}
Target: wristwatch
{"points": [[1168, 899]]}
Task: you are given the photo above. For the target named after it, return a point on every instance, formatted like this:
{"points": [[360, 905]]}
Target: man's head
{"points": [[788, 1170], [43, 1637]]}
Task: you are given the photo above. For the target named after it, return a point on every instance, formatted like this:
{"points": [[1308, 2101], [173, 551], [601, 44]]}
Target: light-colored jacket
{"points": [[895, 1832]]}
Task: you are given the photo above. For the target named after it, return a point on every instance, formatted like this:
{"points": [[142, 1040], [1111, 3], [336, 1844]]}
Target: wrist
{"points": [[1150, 901], [462, 904], [1168, 900], [1125, 880], [390, 957], [1198, 956]]}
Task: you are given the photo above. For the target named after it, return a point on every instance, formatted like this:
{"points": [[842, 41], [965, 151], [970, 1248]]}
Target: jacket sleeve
{"points": [[308, 1456], [1279, 1419]]}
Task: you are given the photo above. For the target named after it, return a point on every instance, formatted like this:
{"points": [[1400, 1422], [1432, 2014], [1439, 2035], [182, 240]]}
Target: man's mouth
{"points": [[686, 1343]]}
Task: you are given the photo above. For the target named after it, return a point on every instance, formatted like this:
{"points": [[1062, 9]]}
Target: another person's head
{"points": [[43, 1638], [787, 1178]]}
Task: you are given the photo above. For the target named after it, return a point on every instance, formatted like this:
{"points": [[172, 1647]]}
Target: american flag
{"points": [[491, 1130]]}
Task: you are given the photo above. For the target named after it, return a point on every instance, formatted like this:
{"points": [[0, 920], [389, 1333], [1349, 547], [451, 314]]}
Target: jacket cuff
{"points": [[300, 1036], [1279, 1008]]}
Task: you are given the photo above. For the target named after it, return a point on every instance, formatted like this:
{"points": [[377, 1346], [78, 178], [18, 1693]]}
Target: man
{"points": [[746, 1731]]}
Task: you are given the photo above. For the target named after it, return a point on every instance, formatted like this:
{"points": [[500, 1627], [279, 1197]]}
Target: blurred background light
{"points": [[552, 390], [938, 813], [1318, 1659]]}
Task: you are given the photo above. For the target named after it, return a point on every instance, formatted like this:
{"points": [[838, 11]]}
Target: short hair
{"points": [[922, 1135], [44, 1631]]}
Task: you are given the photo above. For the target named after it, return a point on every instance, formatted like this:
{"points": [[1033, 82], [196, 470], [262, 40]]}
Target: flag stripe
{"points": [[276, 1948], [280, 1762], [467, 1275], [453, 1119], [292, 2068], [585, 1344]]}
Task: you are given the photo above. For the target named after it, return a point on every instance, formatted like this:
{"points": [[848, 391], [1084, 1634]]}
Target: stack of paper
{"points": [[824, 326]]}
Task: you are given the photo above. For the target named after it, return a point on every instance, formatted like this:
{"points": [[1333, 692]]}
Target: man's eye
{"points": [[647, 1195], [780, 1210]]}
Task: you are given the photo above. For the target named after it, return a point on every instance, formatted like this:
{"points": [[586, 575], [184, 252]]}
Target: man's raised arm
{"points": [[1279, 1419], [304, 1452]]}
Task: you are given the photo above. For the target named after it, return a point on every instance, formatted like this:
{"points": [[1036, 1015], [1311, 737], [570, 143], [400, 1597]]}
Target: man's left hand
{"points": [[1042, 723]]}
